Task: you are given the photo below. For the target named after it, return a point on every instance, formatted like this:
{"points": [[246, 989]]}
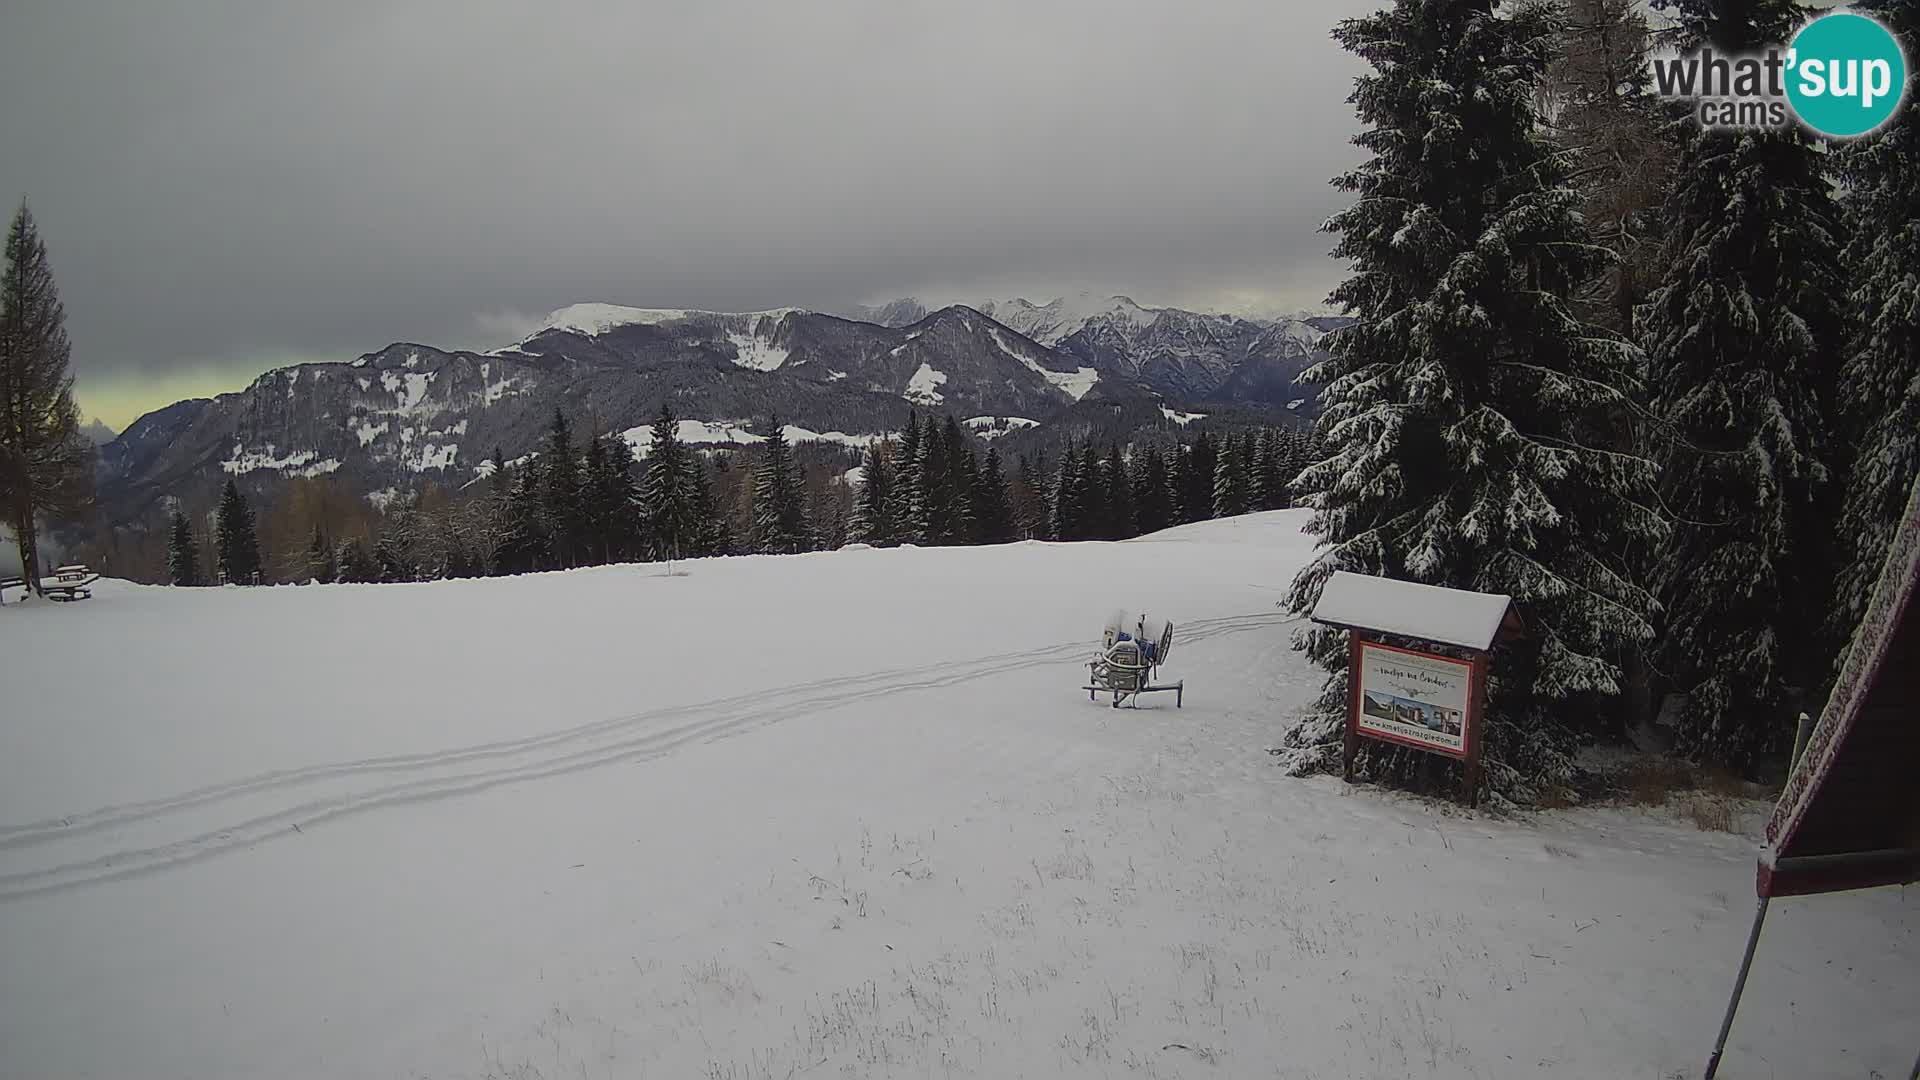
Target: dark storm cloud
{"points": [[222, 182]]}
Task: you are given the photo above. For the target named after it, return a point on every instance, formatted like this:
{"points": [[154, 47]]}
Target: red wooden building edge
{"points": [[1849, 817]]}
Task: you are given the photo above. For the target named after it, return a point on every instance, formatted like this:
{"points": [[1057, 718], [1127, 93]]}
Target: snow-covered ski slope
{"points": [[842, 815]]}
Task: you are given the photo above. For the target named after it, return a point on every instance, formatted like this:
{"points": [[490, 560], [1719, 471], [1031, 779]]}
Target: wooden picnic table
{"points": [[71, 582]]}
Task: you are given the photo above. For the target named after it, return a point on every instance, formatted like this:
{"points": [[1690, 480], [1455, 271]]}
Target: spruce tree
{"points": [[906, 511], [46, 461], [524, 542], [676, 524], [713, 524], [621, 497], [1230, 479], [873, 507], [992, 502], [1095, 515], [183, 554], [933, 504], [1030, 513], [1455, 402], [1196, 495], [236, 545], [1068, 502], [610, 501], [1119, 496], [1742, 336], [1604, 113], [779, 506], [357, 564], [1881, 376], [1152, 496], [560, 502], [1260, 472], [963, 472], [320, 558], [597, 512]]}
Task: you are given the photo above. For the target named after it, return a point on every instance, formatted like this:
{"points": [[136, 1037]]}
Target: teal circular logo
{"points": [[1846, 74]]}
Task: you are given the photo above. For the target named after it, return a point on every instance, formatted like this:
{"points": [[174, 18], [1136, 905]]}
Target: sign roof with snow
{"points": [[1470, 620]]}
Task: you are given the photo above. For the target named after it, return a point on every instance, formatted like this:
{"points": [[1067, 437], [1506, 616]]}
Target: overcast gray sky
{"points": [[228, 186]]}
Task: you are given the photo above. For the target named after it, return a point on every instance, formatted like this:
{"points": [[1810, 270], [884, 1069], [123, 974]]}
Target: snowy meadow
{"points": [[838, 814]]}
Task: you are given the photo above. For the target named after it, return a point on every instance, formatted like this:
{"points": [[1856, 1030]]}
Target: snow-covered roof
{"points": [[1848, 818], [1428, 612]]}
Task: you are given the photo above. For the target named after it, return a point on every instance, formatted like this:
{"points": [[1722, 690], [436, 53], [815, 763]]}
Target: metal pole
{"points": [[1739, 986], [1802, 729]]}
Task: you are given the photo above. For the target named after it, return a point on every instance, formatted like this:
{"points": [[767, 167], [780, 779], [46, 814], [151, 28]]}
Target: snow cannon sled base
{"points": [[1130, 657]]}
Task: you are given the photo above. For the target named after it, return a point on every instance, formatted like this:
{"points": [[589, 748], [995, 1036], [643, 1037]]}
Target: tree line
{"points": [[586, 502], [1658, 382]]}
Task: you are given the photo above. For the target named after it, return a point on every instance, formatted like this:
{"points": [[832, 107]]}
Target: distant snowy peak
{"points": [[1061, 317], [596, 319]]}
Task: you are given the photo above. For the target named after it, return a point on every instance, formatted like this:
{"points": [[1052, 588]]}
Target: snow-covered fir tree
{"points": [[610, 498], [183, 554], [669, 495], [873, 506], [992, 503], [1119, 488], [1230, 479], [933, 480], [524, 545], [1152, 497], [559, 471], [715, 525], [907, 512], [1030, 512], [1195, 479], [1068, 501], [1092, 473], [236, 545], [956, 484], [320, 564], [357, 564], [1603, 111], [779, 503], [1880, 380], [1742, 336], [1453, 405]]}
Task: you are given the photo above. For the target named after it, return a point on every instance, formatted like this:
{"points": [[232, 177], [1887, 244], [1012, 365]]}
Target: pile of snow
{"points": [[1074, 384], [756, 355], [1181, 418], [591, 319], [719, 433], [590, 823], [306, 463], [992, 427], [921, 389]]}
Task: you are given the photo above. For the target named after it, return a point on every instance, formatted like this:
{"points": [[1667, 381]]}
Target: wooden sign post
{"points": [[1429, 693]]}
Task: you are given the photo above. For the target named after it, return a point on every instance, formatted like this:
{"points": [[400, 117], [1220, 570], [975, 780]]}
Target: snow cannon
{"points": [[1132, 648]]}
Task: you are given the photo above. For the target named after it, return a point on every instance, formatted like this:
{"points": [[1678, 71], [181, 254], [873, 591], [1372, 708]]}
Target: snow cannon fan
{"points": [[1131, 652]]}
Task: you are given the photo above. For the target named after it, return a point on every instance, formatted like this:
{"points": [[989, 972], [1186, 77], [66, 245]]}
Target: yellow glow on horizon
{"points": [[120, 398]]}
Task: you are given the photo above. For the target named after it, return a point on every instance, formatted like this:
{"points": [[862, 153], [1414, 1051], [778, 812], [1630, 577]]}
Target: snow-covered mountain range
{"points": [[409, 412]]}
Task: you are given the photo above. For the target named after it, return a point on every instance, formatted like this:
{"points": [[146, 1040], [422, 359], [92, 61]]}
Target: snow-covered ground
{"points": [[842, 814]]}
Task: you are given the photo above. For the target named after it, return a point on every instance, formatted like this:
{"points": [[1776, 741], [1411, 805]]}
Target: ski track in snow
{"points": [[589, 746]]}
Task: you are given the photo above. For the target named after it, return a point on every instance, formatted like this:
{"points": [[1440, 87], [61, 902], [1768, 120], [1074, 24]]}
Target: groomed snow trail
{"points": [[250, 811], [842, 814]]}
